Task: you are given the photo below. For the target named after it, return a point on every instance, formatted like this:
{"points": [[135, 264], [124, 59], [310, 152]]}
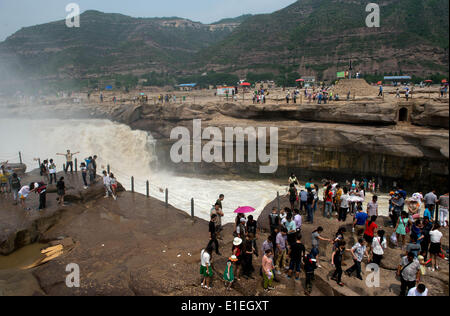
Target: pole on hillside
{"points": [[39, 162], [147, 185], [278, 202], [76, 165], [192, 207], [167, 197], [108, 168], [20, 157], [132, 184]]}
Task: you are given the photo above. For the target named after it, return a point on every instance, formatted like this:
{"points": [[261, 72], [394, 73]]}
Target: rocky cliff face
{"points": [[344, 141]]}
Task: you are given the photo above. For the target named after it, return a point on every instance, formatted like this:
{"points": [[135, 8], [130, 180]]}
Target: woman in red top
{"points": [[328, 202], [369, 233]]}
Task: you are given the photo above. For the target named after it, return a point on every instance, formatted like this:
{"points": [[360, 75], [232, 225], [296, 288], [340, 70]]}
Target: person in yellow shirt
{"points": [[339, 193]]}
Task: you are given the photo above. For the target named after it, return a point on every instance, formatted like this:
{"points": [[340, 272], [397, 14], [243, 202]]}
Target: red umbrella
{"points": [[298, 80], [247, 84], [244, 209], [428, 80], [444, 81], [379, 82]]}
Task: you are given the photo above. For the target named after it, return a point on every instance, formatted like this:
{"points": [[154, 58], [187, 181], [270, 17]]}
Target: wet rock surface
{"points": [[19, 227]]}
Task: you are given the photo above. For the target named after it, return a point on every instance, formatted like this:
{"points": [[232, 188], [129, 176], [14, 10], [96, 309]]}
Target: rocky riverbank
{"points": [[137, 246]]}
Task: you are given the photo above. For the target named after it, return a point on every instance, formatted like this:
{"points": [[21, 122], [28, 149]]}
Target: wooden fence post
{"points": [[147, 184], [192, 207], [132, 184]]}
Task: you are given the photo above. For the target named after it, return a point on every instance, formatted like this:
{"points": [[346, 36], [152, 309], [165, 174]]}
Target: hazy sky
{"points": [[15, 14]]}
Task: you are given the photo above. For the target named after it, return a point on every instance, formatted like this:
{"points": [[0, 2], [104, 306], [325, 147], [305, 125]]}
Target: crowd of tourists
{"points": [[11, 184], [416, 233]]}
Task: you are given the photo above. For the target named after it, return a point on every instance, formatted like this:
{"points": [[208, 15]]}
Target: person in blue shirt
{"points": [[427, 213], [359, 222]]}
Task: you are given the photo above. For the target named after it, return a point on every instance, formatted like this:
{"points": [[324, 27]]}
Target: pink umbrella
{"points": [[298, 80], [244, 209]]}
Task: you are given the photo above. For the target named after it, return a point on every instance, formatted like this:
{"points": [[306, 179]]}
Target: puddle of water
{"points": [[113, 217], [23, 257]]}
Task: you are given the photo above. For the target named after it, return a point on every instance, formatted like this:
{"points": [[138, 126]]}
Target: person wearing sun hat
{"points": [[228, 275], [237, 252]]}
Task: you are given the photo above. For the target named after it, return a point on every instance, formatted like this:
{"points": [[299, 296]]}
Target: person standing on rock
{"points": [[228, 275], [212, 233], [83, 169], [252, 230], [296, 253], [343, 207], [328, 202], [336, 261], [378, 245], [107, 184], [267, 270], [205, 267], [237, 250], [52, 171], [91, 170], [310, 265], [358, 251], [293, 197], [372, 207], [69, 160], [380, 94], [435, 246], [281, 242], [15, 186], [409, 273], [113, 185], [430, 202], [44, 170], [443, 209], [359, 222], [61, 191], [315, 240], [402, 227]]}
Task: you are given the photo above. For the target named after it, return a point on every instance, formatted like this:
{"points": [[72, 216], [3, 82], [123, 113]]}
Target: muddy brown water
{"points": [[23, 257]]}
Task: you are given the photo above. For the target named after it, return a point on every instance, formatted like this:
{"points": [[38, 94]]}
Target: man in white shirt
{"points": [[419, 290], [52, 171], [107, 184]]}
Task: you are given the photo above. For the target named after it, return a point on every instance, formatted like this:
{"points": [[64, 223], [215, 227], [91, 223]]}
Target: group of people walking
{"points": [[283, 252]]}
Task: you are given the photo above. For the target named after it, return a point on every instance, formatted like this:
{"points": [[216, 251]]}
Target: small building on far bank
{"points": [[224, 90], [309, 80], [186, 86], [396, 80]]}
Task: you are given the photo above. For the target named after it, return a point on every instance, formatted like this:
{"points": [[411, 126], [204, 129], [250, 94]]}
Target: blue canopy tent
{"points": [[186, 86], [109, 88], [397, 79]]}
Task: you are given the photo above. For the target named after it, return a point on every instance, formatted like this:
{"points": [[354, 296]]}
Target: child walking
{"points": [[228, 275]]}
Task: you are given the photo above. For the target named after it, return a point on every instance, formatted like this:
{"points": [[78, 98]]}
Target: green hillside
{"points": [[321, 36]]}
